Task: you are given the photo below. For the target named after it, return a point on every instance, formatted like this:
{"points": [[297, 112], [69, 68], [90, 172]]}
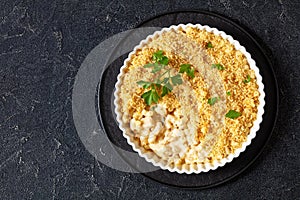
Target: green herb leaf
{"points": [[162, 85], [184, 68], [166, 80], [228, 93], [150, 97], [169, 86], [176, 80], [157, 55], [187, 68], [149, 65], [248, 79], [232, 114], [164, 60], [158, 85], [144, 84], [160, 58], [160, 61], [191, 73], [165, 91], [213, 100], [209, 45], [157, 82], [141, 83], [218, 66], [157, 68]]}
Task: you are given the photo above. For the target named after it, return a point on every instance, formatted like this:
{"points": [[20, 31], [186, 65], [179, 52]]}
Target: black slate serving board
{"points": [[238, 165]]}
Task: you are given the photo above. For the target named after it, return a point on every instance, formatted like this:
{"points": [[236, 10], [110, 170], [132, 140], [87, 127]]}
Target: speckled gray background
{"points": [[42, 45]]}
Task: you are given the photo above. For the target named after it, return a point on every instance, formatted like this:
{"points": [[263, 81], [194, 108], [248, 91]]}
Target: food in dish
{"points": [[189, 98]]}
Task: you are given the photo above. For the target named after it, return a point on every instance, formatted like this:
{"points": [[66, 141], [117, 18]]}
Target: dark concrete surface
{"points": [[42, 45]]}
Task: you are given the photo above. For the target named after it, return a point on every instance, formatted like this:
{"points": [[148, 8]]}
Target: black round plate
{"points": [[238, 165]]}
